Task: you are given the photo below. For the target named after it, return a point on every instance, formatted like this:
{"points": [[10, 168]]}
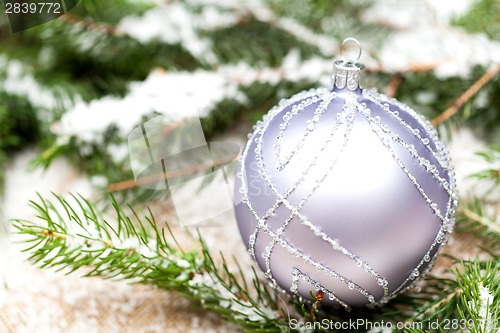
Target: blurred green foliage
{"points": [[483, 17]]}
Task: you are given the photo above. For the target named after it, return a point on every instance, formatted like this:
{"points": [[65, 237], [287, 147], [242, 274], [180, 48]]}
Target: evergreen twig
{"points": [[74, 236], [467, 95]]}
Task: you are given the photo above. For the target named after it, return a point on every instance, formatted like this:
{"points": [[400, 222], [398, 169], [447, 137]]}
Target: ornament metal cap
{"points": [[347, 73]]}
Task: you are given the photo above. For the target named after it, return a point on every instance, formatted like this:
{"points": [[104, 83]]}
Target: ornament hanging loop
{"points": [[355, 41], [347, 73]]}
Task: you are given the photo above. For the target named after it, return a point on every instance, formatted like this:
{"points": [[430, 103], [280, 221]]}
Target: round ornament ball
{"points": [[345, 192]]}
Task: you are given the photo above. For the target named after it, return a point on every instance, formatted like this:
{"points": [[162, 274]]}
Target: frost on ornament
{"points": [[346, 191]]}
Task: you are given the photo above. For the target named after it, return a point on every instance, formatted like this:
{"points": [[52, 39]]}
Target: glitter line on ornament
{"points": [[283, 103], [441, 156], [297, 274], [446, 221], [258, 140], [348, 106], [295, 210], [257, 130], [377, 131], [429, 167], [282, 198], [276, 237], [288, 116], [299, 254], [380, 281]]}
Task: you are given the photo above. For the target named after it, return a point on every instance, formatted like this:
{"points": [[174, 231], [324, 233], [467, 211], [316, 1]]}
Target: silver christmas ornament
{"points": [[344, 191]]}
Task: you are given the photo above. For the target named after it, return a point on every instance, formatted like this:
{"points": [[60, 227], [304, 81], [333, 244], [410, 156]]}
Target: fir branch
{"points": [[74, 236], [488, 224], [467, 95], [444, 304], [472, 217], [482, 18], [96, 26], [480, 299], [492, 172], [202, 166], [392, 89], [19, 127], [194, 169], [97, 159]]}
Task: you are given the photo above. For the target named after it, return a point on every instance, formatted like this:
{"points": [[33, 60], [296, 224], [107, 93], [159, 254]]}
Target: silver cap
{"points": [[347, 73]]}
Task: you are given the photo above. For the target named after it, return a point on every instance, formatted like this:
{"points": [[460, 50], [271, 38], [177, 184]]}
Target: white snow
{"points": [[396, 14], [425, 97], [452, 51], [409, 14], [247, 311], [483, 308], [22, 185], [423, 35], [444, 11], [228, 299], [213, 17], [175, 23], [20, 81], [177, 95], [132, 243], [183, 263], [326, 44]]}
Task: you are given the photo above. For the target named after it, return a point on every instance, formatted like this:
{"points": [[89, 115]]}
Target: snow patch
{"points": [[452, 51], [18, 80], [179, 95], [175, 95], [483, 308]]}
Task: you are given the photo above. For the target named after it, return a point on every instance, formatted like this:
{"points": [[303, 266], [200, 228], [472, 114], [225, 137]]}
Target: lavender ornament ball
{"points": [[344, 191]]}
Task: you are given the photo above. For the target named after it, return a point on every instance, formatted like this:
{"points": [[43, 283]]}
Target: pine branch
{"points": [[480, 299], [467, 95], [393, 87], [97, 159], [472, 217], [192, 170], [95, 26], [492, 172], [444, 305], [482, 18], [74, 236], [488, 224]]}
